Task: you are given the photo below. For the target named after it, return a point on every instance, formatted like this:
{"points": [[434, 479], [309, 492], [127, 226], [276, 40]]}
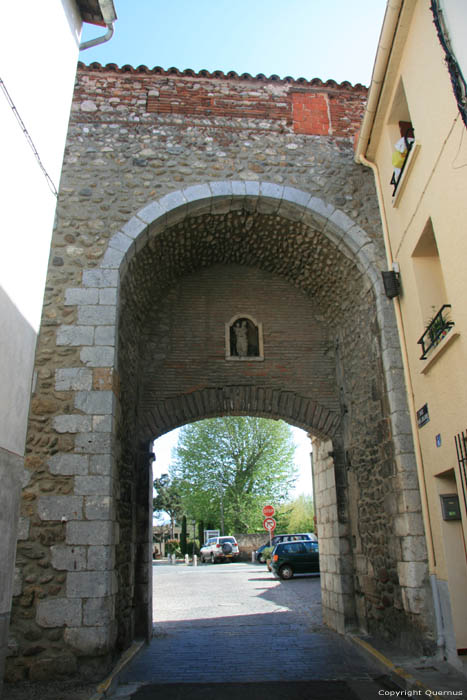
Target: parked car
{"points": [[219, 549], [289, 558], [284, 538]]}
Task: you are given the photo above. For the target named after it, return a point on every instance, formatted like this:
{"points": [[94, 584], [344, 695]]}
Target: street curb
{"points": [[125, 659], [399, 675]]}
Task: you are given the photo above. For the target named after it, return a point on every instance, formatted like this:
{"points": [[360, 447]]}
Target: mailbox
{"points": [[450, 506]]}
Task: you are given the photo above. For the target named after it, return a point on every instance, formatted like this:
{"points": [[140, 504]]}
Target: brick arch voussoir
{"points": [[266, 402], [218, 197]]}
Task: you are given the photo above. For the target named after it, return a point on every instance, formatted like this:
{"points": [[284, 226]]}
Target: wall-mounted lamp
{"points": [[391, 283]]}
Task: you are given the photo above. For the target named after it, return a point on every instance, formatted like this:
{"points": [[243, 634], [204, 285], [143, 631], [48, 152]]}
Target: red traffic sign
{"points": [[269, 524], [268, 511]]}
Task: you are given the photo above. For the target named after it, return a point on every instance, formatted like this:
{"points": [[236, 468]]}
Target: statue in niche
{"points": [[244, 340]]}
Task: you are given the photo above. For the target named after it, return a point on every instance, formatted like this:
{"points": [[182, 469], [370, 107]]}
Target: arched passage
{"points": [[153, 357]]}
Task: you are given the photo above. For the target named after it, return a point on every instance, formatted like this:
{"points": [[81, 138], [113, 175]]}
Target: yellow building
{"points": [[414, 138]]}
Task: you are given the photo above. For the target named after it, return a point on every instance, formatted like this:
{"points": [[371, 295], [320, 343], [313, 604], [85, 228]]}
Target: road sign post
{"points": [[269, 524]]}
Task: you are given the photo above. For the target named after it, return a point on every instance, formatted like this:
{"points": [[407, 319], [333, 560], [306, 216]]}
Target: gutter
{"points": [[109, 16]]}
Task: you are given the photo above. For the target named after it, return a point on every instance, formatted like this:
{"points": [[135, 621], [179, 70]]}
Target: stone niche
{"points": [[244, 339]]}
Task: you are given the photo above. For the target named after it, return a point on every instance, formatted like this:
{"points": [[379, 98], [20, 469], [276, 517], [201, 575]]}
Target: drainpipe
{"points": [[108, 13], [391, 19]]}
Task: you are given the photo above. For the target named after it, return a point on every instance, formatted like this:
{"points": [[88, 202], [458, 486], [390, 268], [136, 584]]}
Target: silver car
{"points": [[216, 549]]}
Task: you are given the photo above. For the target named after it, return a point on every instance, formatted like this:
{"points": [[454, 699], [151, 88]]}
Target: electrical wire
{"points": [[50, 183]]}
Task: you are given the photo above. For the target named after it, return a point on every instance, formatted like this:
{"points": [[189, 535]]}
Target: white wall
{"points": [[38, 55]]}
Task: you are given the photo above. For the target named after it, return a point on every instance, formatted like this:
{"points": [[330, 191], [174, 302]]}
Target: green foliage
{"points": [[301, 518], [183, 537], [168, 498], [189, 547], [201, 531], [230, 467], [173, 547]]}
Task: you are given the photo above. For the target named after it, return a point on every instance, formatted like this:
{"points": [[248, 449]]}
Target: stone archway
{"points": [[145, 353]]}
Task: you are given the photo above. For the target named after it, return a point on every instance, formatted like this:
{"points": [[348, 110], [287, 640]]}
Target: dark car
{"points": [[289, 558], [283, 538]]}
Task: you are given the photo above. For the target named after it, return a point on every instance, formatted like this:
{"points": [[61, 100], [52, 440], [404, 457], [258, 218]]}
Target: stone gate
{"points": [[189, 201]]}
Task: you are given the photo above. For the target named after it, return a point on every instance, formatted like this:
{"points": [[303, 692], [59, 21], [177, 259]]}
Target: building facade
{"points": [[413, 137]]}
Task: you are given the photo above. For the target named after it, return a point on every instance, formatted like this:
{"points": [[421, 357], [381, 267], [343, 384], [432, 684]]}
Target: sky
{"points": [[326, 39]]}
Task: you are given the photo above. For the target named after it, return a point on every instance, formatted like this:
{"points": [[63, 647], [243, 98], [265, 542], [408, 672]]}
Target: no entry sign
{"points": [[269, 524], [268, 511]]}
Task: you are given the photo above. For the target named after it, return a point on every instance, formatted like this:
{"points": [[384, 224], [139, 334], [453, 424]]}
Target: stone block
{"points": [[197, 192], [102, 424], [100, 278], [73, 423], [108, 296], [101, 464], [17, 582], [172, 200], [101, 558], [93, 485], [120, 241], [99, 356], [99, 507], [105, 335], [68, 464], [408, 524], [98, 611], [58, 507], [95, 402], [56, 612], [80, 295], [413, 600], [75, 335], [146, 215], [98, 315], [90, 641], [73, 378], [112, 258], [66, 558], [93, 443], [96, 532], [23, 528], [90, 584], [413, 548], [411, 574]]}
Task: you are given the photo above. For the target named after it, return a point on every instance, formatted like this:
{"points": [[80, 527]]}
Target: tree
{"points": [[183, 537], [301, 518], [228, 468], [167, 499]]}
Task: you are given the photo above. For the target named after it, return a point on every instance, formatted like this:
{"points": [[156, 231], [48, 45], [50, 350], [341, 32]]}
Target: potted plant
{"points": [[267, 552]]}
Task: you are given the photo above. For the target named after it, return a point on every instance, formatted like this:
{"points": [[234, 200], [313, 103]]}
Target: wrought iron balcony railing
{"points": [[439, 327]]}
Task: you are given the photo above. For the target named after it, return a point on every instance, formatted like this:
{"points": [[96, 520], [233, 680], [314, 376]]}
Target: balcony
{"points": [[437, 330]]}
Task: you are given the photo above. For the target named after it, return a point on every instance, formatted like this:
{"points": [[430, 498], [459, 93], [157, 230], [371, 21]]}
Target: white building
{"points": [[39, 46]]}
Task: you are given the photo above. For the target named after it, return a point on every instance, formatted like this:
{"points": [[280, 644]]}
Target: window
{"points": [[435, 311], [401, 134]]}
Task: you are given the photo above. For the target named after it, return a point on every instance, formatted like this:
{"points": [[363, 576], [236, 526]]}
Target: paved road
{"points": [[234, 624]]}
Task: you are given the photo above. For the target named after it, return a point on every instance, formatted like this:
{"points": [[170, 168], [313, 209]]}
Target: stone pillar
{"points": [[334, 551], [143, 563]]}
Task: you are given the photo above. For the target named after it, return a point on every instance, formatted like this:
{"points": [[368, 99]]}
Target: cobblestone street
{"points": [[235, 624]]}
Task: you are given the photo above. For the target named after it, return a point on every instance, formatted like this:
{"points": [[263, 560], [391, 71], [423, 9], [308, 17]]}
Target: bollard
{"points": [[253, 558], [195, 560], [187, 559]]}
